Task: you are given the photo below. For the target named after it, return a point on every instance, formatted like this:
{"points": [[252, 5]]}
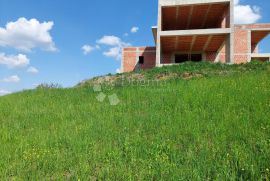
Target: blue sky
{"points": [[75, 24]]}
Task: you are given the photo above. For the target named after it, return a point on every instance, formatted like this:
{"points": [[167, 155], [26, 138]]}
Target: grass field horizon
{"points": [[196, 121]]}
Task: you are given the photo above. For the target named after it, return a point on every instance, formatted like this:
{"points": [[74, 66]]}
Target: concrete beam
{"points": [[154, 31], [195, 32], [192, 43], [189, 2], [206, 16], [260, 29], [207, 43], [176, 42], [219, 52], [189, 17], [176, 17]]}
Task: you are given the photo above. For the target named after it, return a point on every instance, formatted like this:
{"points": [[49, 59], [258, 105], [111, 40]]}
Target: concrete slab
{"points": [[195, 32]]}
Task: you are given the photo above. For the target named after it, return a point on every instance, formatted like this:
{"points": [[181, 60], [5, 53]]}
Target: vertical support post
{"points": [[231, 37], [228, 49], [249, 46], [158, 47]]}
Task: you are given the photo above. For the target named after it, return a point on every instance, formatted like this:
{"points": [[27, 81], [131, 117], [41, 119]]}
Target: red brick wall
{"points": [[130, 57], [250, 26], [238, 59], [210, 56], [166, 58], [241, 47]]}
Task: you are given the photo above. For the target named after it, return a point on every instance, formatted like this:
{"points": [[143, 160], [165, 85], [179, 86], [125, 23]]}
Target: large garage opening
{"points": [[196, 57], [181, 58]]}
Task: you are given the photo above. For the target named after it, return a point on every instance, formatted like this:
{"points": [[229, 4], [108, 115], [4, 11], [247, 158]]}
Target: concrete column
{"points": [[249, 46], [158, 46], [158, 51], [231, 41], [228, 49]]}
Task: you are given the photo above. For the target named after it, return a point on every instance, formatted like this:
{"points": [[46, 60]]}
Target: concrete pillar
{"points": [[228, 49], [231, 41], [158, 46], [158, 51], [249, 46]]}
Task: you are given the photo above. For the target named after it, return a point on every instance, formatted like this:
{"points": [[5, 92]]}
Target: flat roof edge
{"points": [[260, 55], [251, 24], [189, 2], [139, 47]]}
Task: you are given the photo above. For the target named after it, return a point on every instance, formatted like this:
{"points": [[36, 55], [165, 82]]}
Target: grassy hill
{"points": [[186, 122]]}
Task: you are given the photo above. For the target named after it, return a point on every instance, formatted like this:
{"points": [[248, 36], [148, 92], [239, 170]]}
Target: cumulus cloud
{"points": [[114, 52], [4, 92], [246, 14], [116, 46], [87, 49], [134, 29], [109, 40], [236, 2], [14, 61], [12, 79], [32, 70], [26, 35]]}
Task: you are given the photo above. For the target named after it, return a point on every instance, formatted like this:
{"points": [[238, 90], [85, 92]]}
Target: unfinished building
{"points": [[197, 30]]}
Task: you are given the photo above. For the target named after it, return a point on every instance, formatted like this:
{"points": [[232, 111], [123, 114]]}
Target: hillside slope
{"points": [[187, 122]]}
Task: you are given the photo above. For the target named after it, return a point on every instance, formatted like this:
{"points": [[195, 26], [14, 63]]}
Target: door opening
{"points": [[196, 57], [181, 58]]}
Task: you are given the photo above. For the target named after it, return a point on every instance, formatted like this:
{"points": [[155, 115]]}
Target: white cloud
{"points": [[126, 34], [110, 40], [117, 44], [14, 61], [236, 2], [4, 92], [12, 79], [134, 29], [32, 70], [114, 52], [26, 35], [87, 49], [246, 14]]}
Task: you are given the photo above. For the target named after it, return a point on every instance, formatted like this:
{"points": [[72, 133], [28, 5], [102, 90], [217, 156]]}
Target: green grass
{"points": [[212, 127]]}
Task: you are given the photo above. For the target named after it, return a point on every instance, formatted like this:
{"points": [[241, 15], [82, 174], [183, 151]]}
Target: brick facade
{"points": [[205, 29], [130, 59]]}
